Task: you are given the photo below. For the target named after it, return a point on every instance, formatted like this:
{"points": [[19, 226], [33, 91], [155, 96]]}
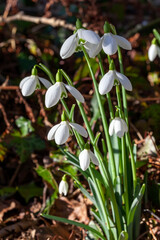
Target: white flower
{"points": [[118, 126], [110, 42], [107, 81], [63, 187], [56, 91], [85, 156], [29, 84], [93, 49], [71, 43], [153, 51], [61, 132]]}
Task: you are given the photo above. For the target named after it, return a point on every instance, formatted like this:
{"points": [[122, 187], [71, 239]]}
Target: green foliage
{"points": [[24, 146], [47, 176], [64, 220], [83, 70], [24, 125], [23, 143], [27, 191]]}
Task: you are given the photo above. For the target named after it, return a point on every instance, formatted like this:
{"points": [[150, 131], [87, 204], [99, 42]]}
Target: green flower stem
{"points": [[126, 199], [104, 120], [108, 94], [103, 169], [109, 186], [102, 204], [126, 118]]}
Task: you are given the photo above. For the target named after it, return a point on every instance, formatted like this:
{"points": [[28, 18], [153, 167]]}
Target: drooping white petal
{"points": [[84, 159], [122, 42], [109, 44], [23, 81], [107, 82], [152, 52], [62, 133], [111, 127], [45, 82], [63, 188], [51, 133], [125, 125], [93, 158], [81, 130], [124, 81], [89, 36], [118, 127], [75, 93], [29, 85], [93, 49], [69, 46], [53, 95]]}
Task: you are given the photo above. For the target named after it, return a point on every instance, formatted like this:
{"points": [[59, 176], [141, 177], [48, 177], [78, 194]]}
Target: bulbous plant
{"points": [[116, 192]]}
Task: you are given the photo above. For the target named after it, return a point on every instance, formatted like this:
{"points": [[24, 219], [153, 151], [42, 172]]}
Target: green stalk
{"points": [[123, 155], [126, 118], [103, 169], [104, 120], [108, 94]]}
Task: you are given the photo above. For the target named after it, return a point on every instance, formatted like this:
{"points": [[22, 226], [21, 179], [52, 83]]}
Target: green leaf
{"points": [[64, 220], [123, 236], [141, 163], [47, 176], [24, 125], [30, 190], [116, 152], [24, 146], [132, 210], [7, 191]]}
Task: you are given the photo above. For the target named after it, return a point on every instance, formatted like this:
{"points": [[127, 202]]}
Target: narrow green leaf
{"points": [[64, 220], [134, 205], [132, 211]]}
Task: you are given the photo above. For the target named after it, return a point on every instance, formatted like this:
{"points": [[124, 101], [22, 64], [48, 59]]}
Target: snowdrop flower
{"points": [[110, 43], [57, 91], [107, 81], [63, 186], [61, 132], [85, 157], [71, 43], [118, 126], [93, 49], [29, 84], [154, 50]]}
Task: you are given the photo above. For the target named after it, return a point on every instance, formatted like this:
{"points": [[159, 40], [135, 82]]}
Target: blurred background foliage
{"points": [[25, 156]]}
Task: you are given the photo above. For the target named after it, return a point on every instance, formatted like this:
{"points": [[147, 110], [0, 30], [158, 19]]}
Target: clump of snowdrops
{"points": [[107, 160]]}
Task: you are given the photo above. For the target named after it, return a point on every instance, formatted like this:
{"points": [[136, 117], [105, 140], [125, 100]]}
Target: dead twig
{"points": [[27, 107], [5, 116], [42, 110], [54, 22]]}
